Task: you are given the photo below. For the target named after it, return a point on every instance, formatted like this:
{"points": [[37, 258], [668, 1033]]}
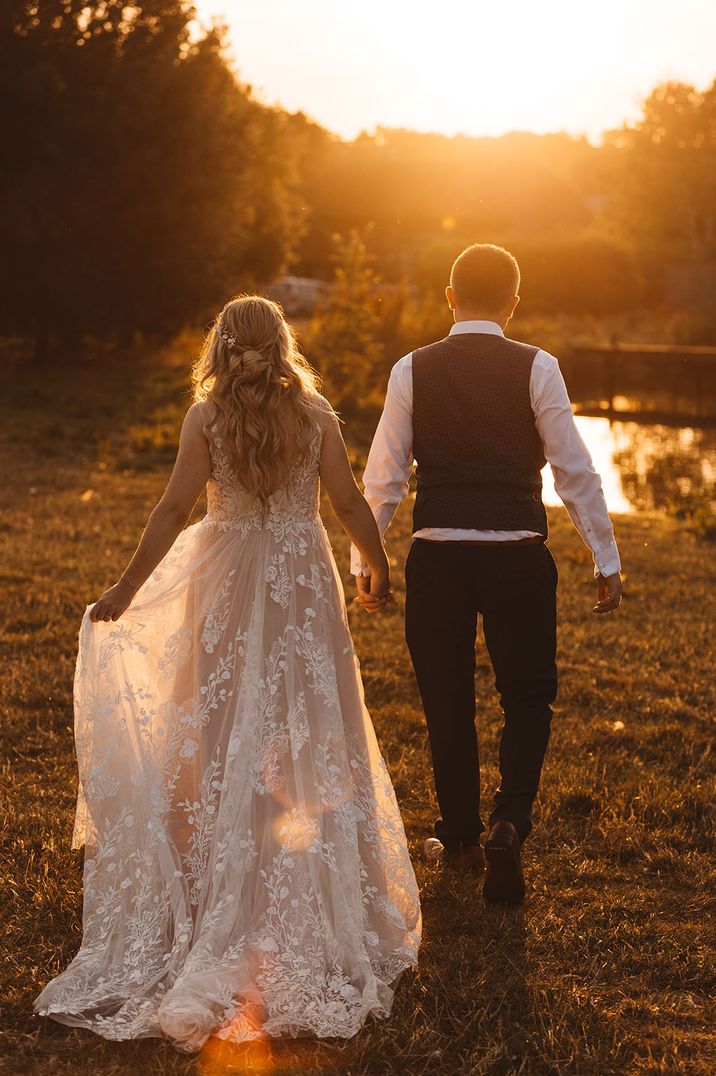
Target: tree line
{"points": [[142, 182]]}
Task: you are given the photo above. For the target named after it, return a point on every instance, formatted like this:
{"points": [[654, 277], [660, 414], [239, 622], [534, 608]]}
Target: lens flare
{"points": [[220, 1056], [295, 830]]}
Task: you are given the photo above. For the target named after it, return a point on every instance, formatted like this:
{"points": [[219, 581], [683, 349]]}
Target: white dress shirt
{"points": [[390, 460]]}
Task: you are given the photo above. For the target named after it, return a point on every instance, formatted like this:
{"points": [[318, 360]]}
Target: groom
{"points": [[481, 414]]}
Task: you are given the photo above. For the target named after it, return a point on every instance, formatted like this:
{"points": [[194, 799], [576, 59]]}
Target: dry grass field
{"points": [[604, 970]]}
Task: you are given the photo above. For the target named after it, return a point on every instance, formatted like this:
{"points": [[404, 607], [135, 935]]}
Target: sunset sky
{"points": [[468, 65]]}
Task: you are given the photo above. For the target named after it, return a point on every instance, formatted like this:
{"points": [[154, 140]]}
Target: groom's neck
{"points": [[480, 315]]}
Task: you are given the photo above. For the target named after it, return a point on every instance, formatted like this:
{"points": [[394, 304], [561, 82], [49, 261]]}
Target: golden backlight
{"points": [[467, 65]]}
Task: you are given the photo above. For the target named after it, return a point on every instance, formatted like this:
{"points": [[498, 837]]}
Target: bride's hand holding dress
{"points": [[246, 868]]}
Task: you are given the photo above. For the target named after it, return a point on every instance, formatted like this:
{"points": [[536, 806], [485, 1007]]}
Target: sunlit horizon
{"points": [[470, 68]]}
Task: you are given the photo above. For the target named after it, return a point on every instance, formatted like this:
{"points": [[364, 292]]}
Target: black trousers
{"points": [[514, 586]]}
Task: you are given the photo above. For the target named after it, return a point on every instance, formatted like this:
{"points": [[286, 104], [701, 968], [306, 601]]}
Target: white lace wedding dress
{"points": [[246, 870]]}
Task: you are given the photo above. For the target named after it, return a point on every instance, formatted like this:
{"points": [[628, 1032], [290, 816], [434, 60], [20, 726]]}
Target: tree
{"points": [[580, 275], [143, 183], [343, 338], [664, 174]]}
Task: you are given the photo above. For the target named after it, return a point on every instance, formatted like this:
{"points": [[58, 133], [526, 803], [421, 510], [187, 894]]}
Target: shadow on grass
{"points": [[497, 1012]]}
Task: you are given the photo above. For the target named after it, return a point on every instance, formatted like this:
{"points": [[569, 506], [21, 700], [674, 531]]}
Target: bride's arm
{"points": [[352, 511], [188, 478]]}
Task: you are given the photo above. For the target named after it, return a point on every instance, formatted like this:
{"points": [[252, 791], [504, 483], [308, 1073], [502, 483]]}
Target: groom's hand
{"points": [[374, 593], [364, 598], [609, 593]]}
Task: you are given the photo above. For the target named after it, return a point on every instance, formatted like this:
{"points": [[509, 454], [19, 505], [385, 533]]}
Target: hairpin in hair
{"points": [[225, 335]]}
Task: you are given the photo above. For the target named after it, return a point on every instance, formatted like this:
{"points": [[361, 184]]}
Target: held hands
{"points": [[374, 592], [113, 602], [609, 593]]}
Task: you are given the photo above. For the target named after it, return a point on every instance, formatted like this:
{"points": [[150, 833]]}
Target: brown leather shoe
{"points": [[504, 881], [469, 859]]}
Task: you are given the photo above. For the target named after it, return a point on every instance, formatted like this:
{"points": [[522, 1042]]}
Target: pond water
{"points": [[647, 466]]}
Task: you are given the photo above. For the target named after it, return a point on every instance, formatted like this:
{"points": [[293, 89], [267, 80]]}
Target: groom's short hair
{"points": [[485, 277]]}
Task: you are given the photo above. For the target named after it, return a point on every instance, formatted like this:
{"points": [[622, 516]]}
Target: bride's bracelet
{"points": [[129, 583]]}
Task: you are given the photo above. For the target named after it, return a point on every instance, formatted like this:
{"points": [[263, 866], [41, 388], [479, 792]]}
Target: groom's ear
{"points": [[450, 296], [514, 302]]}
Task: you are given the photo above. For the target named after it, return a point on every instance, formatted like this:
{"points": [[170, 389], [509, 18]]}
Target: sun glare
{"points": [[469, 67], [600, 438]]}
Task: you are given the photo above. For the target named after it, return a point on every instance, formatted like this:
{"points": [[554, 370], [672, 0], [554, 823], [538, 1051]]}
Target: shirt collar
{"points": [[476, 327]]}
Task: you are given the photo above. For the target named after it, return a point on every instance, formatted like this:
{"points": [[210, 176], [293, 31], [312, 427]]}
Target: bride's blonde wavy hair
{"points": [[265, 392]]}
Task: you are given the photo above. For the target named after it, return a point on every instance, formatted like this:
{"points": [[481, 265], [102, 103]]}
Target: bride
{"points": [[246, 870]]}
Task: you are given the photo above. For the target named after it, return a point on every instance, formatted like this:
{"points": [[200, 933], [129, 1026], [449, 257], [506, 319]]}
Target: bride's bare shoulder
{"points": [[196, 431]]}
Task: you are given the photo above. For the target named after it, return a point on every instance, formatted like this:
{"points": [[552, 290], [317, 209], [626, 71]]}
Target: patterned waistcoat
{"points": [[478, 452]]}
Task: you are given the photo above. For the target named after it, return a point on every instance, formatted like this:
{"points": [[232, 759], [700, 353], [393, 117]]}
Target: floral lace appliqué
{"points": [[218, 616], [246, 870]]}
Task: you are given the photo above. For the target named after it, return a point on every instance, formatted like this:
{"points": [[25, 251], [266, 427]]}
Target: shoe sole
{"points": [[504, 883], [431, 854]]}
